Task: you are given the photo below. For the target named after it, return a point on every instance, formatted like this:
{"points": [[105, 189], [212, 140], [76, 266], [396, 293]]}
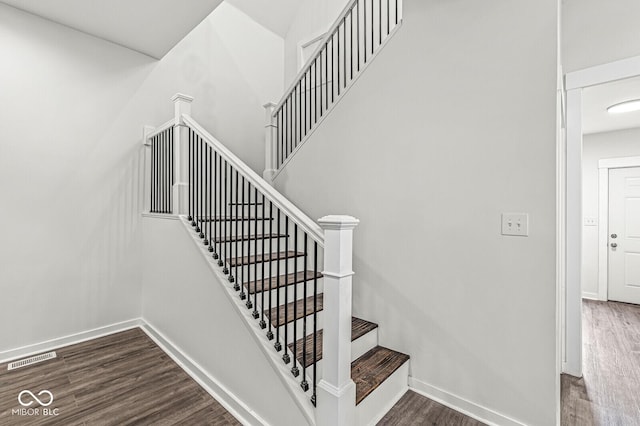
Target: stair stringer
{"points": [[301, 398]]}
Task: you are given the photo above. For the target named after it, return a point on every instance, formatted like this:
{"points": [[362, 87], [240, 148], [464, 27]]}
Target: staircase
{"points": [[289, 277]]}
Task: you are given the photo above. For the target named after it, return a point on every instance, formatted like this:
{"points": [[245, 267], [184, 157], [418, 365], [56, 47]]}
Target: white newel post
{"points": [[182, 105], [270, 129], [336, 392]]}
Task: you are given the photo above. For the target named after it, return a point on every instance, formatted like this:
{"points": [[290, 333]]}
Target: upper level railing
{"points": [[162, 176], [360, 31]]}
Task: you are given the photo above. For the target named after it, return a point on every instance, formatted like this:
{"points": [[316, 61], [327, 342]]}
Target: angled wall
{"points": [[452, 125]]}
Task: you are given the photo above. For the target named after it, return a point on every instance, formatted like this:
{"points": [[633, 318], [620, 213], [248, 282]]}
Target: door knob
{"points": [[614, 245], [614, 235]]}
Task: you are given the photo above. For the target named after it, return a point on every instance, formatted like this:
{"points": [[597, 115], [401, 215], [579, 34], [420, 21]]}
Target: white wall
{"points": [[596, 146], [453, 124], [184, 300], [314, 17], [71, 120], [598, 31]]}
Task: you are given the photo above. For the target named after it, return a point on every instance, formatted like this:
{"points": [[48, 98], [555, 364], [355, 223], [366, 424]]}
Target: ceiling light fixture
{"points": [[626, 106]]}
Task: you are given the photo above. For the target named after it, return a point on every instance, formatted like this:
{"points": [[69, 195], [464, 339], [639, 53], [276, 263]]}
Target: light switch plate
{"points": [[515, 224], [590, 221]]}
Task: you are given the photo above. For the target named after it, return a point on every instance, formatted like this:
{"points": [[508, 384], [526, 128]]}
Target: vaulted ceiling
{"points": [[151, 27]]}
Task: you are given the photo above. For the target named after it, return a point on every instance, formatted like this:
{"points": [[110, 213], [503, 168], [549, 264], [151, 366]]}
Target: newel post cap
{"points": [[338, 222], [182, 97]]}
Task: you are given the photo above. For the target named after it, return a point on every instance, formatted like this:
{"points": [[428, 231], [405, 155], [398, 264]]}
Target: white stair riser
{"points": [[299, 334], [380, 401]]}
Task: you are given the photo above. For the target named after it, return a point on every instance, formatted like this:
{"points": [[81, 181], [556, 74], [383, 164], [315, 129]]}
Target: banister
{"points": [[161, 129], [314, 231], [316, 52]]}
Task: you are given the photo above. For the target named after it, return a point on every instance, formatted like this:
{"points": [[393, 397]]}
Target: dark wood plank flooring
{"points": [[121, 379], [416, 410], [609, 391]]}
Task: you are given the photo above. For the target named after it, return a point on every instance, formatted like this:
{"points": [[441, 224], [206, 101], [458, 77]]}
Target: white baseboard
{"points": [[218, 391], [71, 339], [590, 296], [471, 409]]}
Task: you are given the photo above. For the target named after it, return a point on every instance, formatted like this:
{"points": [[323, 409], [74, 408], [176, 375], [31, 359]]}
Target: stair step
{"points": [[234, 238], [373, 368], [230, 219], [300, 304], [251, 203], [266, 257], [281, 281], [359, 328]]}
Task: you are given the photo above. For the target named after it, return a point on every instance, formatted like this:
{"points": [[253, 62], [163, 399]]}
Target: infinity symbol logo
{"points": [[27, 392]]}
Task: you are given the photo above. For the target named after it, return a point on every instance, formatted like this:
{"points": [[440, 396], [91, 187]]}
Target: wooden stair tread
{"points": [[266, 257], [359, 328], [250, 203], [289, 317], [230, 219], [261, 237], [373, 368], [280, 281]]}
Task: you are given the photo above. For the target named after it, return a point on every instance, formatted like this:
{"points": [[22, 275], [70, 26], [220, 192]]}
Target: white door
{"points": [[624, 235]]}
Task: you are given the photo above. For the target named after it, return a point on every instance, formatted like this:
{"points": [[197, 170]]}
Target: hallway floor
{"points": [[120, 379], [607, 394]]}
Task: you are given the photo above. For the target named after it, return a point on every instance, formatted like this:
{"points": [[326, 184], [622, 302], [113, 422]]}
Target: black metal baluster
{"points": [[210, 194], [172, 171], [201, 186], [396, 12], [285, 356], [364, 30], [326, 74], [295, 370], [255, 312], [270, 332], [214, 212], [197, 181], [315, 320], [152, 186], [278, 345], [388, 18], [306, 89], [299, 114], [333, 65], [344, 50], [192, 212], [263, 324], [238, 222], [223, 221], [358, 34], [162, 178], [218, 224], [379, 22], [351, 40], [205, 199], [337, 34], [373, 37], [248, 304], [304, 385]]}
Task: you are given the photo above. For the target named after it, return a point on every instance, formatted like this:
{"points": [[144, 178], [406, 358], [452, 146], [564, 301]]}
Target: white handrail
{"points": [[313, 57], [305, 223], [162, 128]]}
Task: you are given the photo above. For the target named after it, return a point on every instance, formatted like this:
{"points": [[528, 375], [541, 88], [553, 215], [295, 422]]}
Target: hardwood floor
{"points": [[609, 391], [121, 379], [416, 410]]}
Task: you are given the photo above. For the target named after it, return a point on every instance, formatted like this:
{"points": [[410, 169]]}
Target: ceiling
{"points": [[275, 15], [151, 27], [596, 100]]}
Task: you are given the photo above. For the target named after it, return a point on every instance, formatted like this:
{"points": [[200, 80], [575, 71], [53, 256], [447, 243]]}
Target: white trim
{"points": [[167, 216], [618, 163], [612, 71], [217, 390], [590, 296], [462, 405], [71, 339], [575, 82], [604, 165], [295, 214], [319, 36]]}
